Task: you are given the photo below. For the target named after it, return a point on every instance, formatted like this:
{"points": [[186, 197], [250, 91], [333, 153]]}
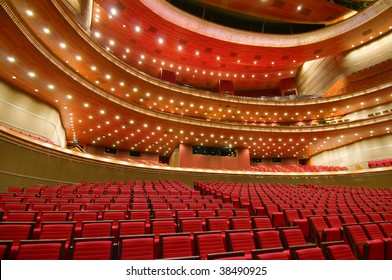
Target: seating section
{"points": [[386, 162], [296, 168], [214, 220]]}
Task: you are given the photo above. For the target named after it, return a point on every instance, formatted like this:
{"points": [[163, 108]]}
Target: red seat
{"points": [[321, 232], [340, 252], [99, 248], [374, 232], [159, 226], [309, 254], [191, 225], [217, 223], [209, 242], [240, 240], [136, 247], [261, 222], [58, 230], [386, 228], [131, 227], [176, 245], [16, 231], [97, 228], [41, 249], [362, 246], [22, 216], [163, 214], [240, 223]]}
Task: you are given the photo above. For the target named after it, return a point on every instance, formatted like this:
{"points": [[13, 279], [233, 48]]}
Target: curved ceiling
{"points": [[110, 101], [154, 35], [299, 11]]}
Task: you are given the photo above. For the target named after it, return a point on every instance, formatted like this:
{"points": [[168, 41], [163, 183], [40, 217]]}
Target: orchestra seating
{"points": [[213, 220]]}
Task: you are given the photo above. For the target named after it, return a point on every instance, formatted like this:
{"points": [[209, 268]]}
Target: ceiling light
{"points": [[137, 28], [62, 45], [31, 74], [29, 13], [113, 11], [160, 41]]}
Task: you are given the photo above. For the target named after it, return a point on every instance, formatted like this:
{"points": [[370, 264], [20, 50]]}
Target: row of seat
{"points": [[137, 187], [30, 135], [56, 242], [296, 168], [380, 163], [321, 232]]}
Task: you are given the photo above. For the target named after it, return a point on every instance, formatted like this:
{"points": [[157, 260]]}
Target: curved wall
{"points": [[317, 76], [27, 164], [356, 155], [25, 113]]}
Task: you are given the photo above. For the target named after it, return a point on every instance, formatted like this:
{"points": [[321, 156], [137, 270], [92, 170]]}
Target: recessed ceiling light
{"points": [[160, 41], [29, 13], [51, 86], [78, 57], [11, 59], [62, 45], [113, 11], [69, 96], [31, 74], [46, 30]]}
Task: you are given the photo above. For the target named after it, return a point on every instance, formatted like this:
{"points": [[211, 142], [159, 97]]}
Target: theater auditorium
{"points": [[196, 130]]}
